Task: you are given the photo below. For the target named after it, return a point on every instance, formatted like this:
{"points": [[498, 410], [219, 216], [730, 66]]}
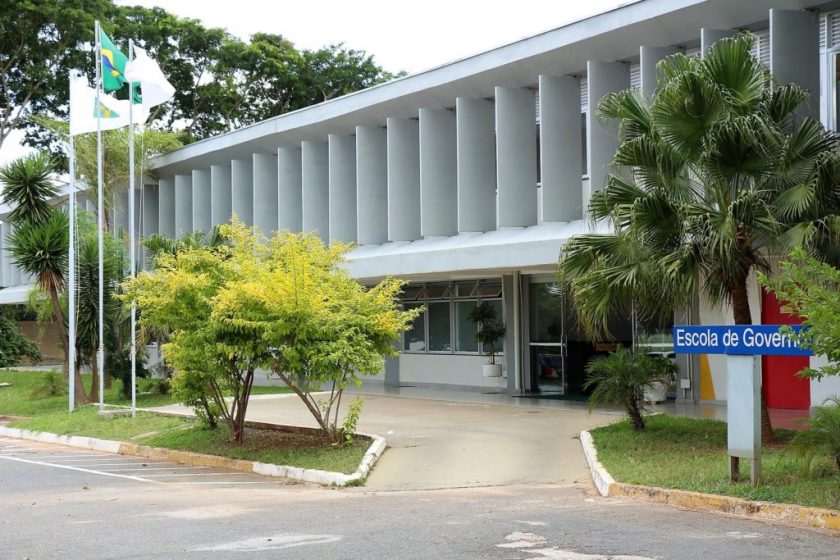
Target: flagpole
{"points": [[100, 214], [71, 304], [131, 241]]}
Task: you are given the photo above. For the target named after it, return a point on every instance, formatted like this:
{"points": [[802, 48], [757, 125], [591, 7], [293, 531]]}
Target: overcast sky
{"points": [[411, 36]]}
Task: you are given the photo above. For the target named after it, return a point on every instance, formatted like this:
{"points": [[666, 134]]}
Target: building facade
{"points": [[467, 180]]}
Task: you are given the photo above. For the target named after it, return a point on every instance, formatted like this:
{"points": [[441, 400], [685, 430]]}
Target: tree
{"points": [[284, 305], [39, 241], [715, 172], [40, 42], [811, 290], [14, 346], [183, 297], [148, 143], [323, 328], [622, 377]]}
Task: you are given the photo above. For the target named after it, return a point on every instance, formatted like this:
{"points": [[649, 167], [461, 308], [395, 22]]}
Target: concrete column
{"points": [[649, 57], [5, 257], [289, 198], [403, 179], [166, 207], [709, 37], [315, 179], [220, 199], [242, 189], [149, 221], [561, 149], [476, 161], [602, 137], [438, 173], [371, 185], [265, 193], [795, 53], [342, 190], [516, 156], [201, 205], [183, 204]]}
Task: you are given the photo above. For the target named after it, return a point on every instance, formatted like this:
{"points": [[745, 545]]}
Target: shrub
{"points": [[52, 384], [621, 378], [822, 438], [14, 346]]}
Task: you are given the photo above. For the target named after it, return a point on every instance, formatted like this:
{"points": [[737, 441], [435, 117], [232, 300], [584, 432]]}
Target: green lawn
{"points": [[50, 414], [690, 454]]}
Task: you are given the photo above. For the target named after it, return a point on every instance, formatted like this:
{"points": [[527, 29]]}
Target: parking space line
{"points": [[153, 468], [155, 475], [79, 469]]}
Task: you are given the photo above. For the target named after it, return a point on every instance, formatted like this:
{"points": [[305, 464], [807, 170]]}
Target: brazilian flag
{"points": [[113, 66], [102, 111]]}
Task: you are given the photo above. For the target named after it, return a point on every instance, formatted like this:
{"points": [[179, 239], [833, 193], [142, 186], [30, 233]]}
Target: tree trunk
{"points": [[79, 393], [742, 315], [62, 330], [635, 414], [94, 378]]}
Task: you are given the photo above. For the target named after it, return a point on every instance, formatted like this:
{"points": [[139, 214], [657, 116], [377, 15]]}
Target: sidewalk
{"points": [[460, 443]]}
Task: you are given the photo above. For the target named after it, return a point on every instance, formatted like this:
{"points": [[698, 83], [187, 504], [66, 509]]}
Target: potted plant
{"points": [[490, 331]]}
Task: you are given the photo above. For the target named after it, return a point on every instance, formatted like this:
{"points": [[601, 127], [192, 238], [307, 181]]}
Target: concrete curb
{"points": [[327, 478], [787, 514]]}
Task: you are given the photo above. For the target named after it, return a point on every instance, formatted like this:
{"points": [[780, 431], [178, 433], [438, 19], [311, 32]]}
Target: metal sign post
{"points": [[743, 346]]}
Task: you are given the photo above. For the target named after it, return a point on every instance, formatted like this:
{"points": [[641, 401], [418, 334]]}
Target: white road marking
{"points": [[532, 523], [522, 540], [276, 542], [154, 475], [155, 469], [558, 554], [79, 469], [227, 482]]}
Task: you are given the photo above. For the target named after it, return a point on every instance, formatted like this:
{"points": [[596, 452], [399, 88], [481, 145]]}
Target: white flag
{"points": [[83, 105], [154, 87]]}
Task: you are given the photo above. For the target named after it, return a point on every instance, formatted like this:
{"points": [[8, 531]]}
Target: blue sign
{"points": [[744, 340]]}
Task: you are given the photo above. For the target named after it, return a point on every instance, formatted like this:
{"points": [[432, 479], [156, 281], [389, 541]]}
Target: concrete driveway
{"points": [[450, 444]]}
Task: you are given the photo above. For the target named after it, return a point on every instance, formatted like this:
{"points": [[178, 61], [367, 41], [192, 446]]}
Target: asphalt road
{"points": [[57, 502]]}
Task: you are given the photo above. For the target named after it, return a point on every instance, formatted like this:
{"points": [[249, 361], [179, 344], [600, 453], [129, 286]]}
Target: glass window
{"points": [[497, 305], [584, 165], [439, 329], [413, 292], [490, 288], [437, 291], [546, 313], [464, 328], [414, 339], [466, 289]]}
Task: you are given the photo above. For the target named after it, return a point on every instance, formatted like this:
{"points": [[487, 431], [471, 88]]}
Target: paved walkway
{"points": [[436, 443]]}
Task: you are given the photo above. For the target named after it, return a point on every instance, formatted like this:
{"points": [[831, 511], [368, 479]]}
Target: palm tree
{"points": [[622, 377], [39, 242], [715, 174]]}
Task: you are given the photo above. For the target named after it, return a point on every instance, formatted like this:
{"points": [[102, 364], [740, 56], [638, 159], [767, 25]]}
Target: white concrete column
{"points": [[795, 53], [166, 207], [371, 185], [316, 188], [242, 189], [438, 173], [342, 191], [201, 205], [709, 37], [403, 179], [149, 219], [220, 199], [289, 198], [5, 257], [516, 156], [265, 193], [649, 57], [602, 137], [183, 204], [476, 162], [561, 149]]}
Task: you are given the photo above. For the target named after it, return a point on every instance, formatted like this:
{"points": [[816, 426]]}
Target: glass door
{"points": [[548, 345]]}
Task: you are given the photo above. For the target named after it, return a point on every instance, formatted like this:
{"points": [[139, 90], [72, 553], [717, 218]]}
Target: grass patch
{"points": [[49, 414], [18, 399], [690, 454], [268, 446]]}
